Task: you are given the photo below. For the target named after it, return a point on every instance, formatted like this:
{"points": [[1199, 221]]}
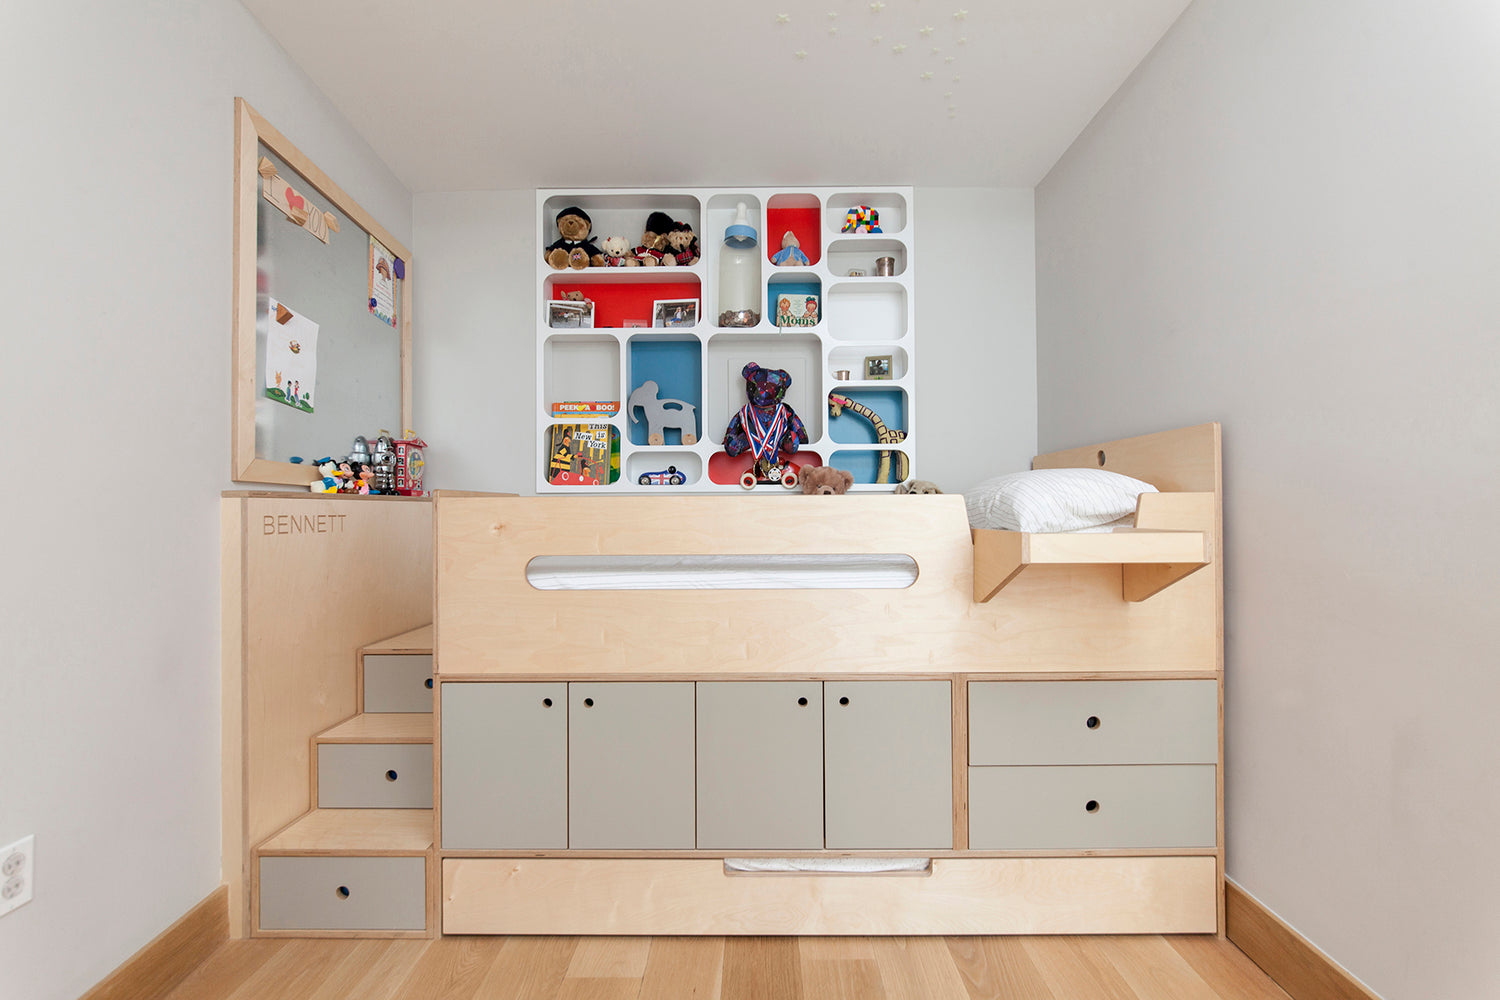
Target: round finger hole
{"points": [[343, 892], [1093, 722], [547, 702], [390, 776], [844, 701], [1091, 806], [589, 702], [428, 683], [802, 701]]}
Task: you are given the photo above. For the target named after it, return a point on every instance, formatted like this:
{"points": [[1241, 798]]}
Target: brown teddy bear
{"points": [[682, 243], [825, 480], [654, 249], [918, 486], [573, 248]]}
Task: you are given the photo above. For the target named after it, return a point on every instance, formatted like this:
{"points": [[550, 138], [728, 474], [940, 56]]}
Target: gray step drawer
{"points": [[356, 894], [1093, 722], [1068, 808], [398, 682], [374, 776]]}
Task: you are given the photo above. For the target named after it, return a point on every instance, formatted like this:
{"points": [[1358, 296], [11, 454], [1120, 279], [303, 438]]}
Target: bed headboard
{"points": [[1186, 460]]}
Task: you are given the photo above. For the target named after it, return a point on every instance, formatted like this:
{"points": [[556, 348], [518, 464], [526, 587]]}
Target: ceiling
{"points": [[478, 94]]}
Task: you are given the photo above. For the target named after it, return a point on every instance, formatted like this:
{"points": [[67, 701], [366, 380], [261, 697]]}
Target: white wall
{"points": [[115, 255], [1289, 220], [475, 321]]}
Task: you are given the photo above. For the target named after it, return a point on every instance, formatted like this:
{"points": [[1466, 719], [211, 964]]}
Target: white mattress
{"points": [[829, 571]]}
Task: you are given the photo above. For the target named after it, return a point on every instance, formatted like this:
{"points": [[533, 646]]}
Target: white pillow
{"points": [[1053, 500]]}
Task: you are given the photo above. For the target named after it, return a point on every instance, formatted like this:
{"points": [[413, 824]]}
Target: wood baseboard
{"points": [[1286, 956], [171, 955]]}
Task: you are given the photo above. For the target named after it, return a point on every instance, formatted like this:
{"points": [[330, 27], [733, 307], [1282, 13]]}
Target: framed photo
{"points": [[877, 367], [670, 313], [570, 314]]}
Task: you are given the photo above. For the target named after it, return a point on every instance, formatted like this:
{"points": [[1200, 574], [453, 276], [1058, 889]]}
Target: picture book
{"points": [[582, 454], [797, 309]]}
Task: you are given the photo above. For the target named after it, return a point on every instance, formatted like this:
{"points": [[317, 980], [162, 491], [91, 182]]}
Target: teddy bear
{"points": [[617, 252], [653, 247], [825, 480], [682, 244], [916, 486], [765, 426], [573, 248]]}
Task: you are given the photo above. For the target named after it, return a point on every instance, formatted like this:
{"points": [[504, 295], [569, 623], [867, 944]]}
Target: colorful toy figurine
{"points": [[410, 465], [861, 219], [667, 477], [766, 427], [790, 254], [883, 435]]}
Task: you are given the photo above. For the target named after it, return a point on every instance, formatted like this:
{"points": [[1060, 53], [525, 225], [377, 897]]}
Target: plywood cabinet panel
{"points": [[630, 765], [888, 764], [760, 765], [505, 770]]}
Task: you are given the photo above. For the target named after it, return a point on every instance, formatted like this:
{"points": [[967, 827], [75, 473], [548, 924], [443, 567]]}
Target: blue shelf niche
{"points": [[675, 364]]}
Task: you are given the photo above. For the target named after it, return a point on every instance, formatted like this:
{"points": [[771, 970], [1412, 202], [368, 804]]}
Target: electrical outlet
{"points": [[17, 874]]}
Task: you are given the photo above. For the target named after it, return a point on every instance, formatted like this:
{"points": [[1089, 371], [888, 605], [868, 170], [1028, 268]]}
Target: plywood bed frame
{"points": [[1088, 615], [1036, 719]]}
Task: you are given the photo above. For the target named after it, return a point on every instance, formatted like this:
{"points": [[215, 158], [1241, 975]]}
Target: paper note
{"points": [[291, 357], [382, 283]]}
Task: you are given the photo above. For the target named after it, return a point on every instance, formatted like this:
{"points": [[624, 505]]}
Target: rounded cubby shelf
{"points": [[675, 359]]}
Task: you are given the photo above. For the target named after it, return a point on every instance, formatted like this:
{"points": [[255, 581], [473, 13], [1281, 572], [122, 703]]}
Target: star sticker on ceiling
{"points": [[936, 50], [876, 40], [899, 48], [833, 29], [800, 53], [927, 75], [947, 59], [783, 18], [962, 40], [877, 6], [947, 95], [960, 14], [833, 15], [958, 79], [926, 31]]}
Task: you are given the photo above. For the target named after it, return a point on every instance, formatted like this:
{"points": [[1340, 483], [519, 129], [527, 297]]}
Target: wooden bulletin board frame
{"points": [[250, 129]]}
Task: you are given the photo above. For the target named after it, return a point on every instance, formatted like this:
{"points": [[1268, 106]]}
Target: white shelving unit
{"points": [[860, 317]]}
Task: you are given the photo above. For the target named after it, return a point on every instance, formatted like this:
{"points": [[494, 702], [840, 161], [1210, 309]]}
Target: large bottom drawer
{"points": [[1093, 808], [959, 896], [343, 893]]}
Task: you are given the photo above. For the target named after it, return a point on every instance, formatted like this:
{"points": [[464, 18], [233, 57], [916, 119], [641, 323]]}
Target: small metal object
{"points": [[885, 266], [739, 317], [841, 374], [361, 451]]}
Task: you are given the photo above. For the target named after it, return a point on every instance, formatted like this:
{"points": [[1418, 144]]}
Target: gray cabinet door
{"points": [[504, 765], [630, 765], [888, 764], [760, 765]]}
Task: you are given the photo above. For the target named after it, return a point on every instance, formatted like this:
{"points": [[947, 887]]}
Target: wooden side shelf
{"points": [[1152, 556], [354, 831]]}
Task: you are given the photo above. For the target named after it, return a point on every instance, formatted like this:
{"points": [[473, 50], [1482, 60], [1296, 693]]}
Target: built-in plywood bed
{"points": [[831, 715]]}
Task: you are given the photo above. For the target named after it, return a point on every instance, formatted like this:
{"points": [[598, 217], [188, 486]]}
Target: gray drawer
{"points": [[760, 765], [357, 894], [630, 765], [375, 776], [505, 765], [1066, 808], [398, 682], [1093, 722]]}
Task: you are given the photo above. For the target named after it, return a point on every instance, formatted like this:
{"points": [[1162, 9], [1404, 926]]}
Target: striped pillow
{"points": [[1054, 500]]}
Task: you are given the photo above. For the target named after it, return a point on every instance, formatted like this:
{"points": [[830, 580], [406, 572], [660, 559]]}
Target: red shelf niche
{"points": [[618, 301], [800, 214], [727, 471]]}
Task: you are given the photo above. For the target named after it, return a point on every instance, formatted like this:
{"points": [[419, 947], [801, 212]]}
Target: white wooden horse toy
{"points": [[662, 416]]}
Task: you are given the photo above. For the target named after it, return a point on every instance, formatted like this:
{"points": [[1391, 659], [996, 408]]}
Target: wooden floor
{"points": [[541, 968]]}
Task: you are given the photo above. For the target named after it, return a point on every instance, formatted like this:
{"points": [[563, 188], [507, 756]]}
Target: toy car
{"points": [[763, 472], [667, 477]]}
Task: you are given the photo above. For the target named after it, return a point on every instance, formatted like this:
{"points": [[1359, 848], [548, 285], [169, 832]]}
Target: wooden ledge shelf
{"points": [[355, 831], [381, 727], [1172, 540], [418, 640]]}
